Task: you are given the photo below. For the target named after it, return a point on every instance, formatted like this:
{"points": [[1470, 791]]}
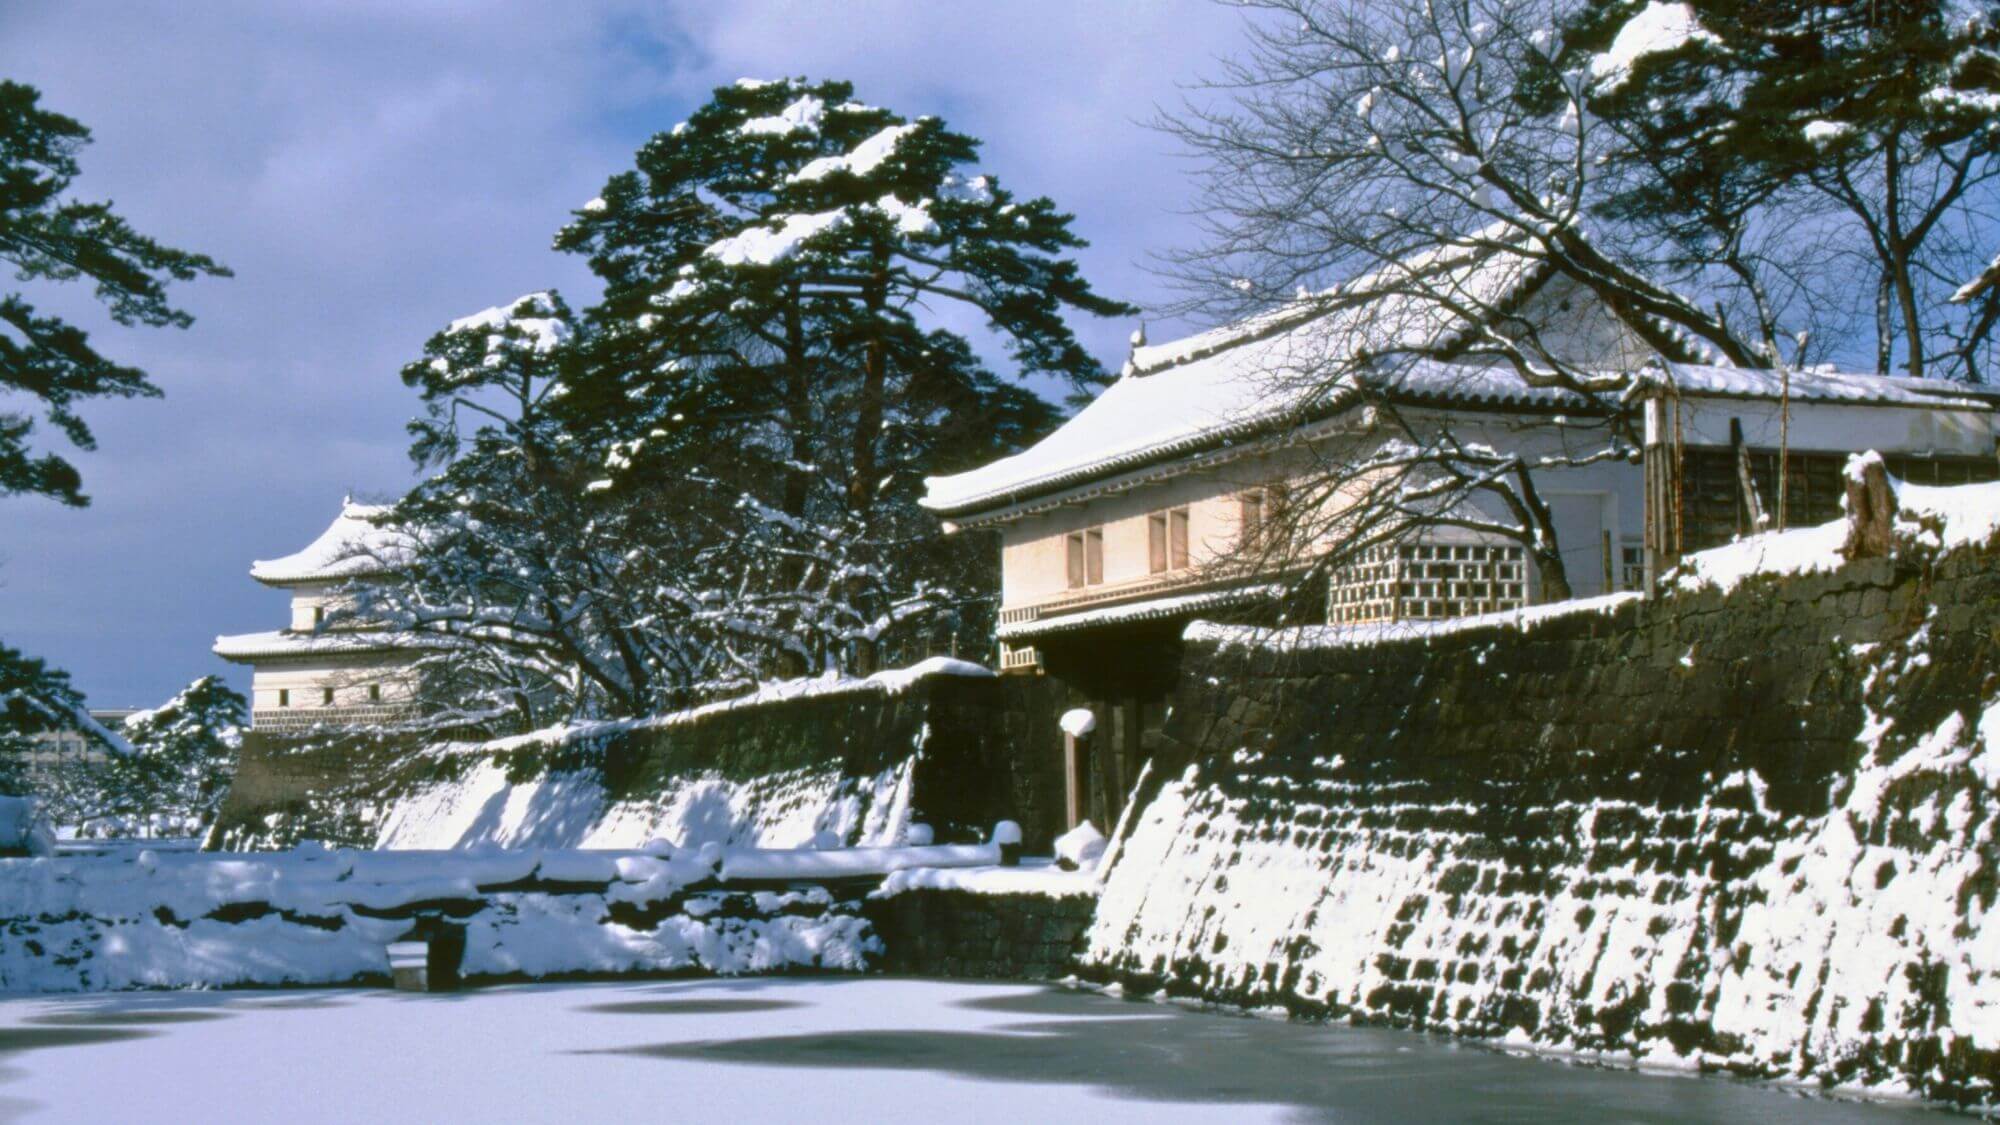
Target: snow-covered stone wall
{"points": [[815, 763], [319, 916], [1750, 830]]}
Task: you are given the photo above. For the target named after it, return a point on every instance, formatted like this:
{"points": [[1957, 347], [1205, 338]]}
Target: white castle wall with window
{"points": [[326, 668]]}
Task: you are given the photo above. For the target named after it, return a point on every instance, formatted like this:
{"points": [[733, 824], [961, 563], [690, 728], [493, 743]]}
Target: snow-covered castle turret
{"points": [[325, 667]]}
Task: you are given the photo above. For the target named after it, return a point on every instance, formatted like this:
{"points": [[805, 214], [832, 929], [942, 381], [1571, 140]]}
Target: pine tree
{"points": [[184, 755], [33, 698], [542, 588], [711, 478], [775, 268], [47, 236], [1873, 119]]}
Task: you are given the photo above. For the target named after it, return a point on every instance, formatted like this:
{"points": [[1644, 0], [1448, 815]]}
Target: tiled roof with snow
{"points": [[1254, 377], [352, 546], [1822, 386], [1152, 609], [284, 642], [1240, 379]]}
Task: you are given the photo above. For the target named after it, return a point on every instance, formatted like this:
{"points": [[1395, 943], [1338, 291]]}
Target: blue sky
{"points": [[374, 168]]}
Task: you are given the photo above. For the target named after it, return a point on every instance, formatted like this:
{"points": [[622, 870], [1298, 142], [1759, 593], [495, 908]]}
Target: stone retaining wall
{"points": [[1752, 831], [953, 933], [956, 752]]}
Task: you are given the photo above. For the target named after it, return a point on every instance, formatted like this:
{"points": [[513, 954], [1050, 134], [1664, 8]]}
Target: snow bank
{"points": [[22, 829], [1044, 880], [313, 916], [1935, 518], [486, 804], [1804, 550], [1080, 848]]}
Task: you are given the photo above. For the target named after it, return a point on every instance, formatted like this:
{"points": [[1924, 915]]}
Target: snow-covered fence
{"points": [[1753, 826]]}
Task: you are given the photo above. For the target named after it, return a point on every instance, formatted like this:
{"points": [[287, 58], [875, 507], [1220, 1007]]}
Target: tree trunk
{"points": [[869, 408], [798, 409], [862, 486], [1555, 578], [1899, 256], [1543, 545]]}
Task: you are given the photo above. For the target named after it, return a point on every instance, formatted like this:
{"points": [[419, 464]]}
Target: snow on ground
{"points": [[139, 918], [822, 1049], [311, 916]]}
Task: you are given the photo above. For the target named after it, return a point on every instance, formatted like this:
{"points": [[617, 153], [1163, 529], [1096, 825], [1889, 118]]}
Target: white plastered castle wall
{"points": [[301, 684], [1831, 427], [1590, 502], [1034, 559]]}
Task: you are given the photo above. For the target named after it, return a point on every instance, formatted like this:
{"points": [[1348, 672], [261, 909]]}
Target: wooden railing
{"points": [[1019, 659]]}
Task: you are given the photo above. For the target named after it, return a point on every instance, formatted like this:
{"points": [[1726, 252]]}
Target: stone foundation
{"points": [[944, 933], [1753, 832]]}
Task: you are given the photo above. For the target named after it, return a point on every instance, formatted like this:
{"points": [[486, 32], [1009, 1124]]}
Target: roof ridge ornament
{"points": [[1137, 340]]}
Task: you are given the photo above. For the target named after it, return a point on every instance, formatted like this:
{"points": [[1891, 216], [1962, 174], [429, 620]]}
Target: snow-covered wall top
{"points": [[1751, 829]]}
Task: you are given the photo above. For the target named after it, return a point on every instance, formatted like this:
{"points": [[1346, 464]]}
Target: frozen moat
{"points": [[800, 1048]]}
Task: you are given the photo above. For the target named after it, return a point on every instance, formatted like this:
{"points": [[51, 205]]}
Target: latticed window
{"points": [[1426, 581]]}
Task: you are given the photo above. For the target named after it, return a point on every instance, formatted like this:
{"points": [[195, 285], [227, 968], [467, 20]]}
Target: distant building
{"points": [[1143, 511], [327, 667], [49, 750]]}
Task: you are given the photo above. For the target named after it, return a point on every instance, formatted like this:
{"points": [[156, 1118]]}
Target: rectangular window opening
{"points": [[1253, 521], [284, 697], [326, 697], [1093, 557]]}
